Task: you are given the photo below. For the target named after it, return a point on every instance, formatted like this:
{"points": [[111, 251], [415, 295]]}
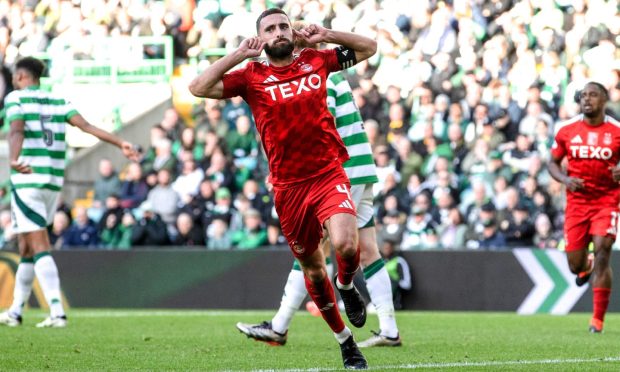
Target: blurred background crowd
{"points": [[460, 105]]}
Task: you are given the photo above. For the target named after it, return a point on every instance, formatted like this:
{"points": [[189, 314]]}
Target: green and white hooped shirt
{"points": [[45, 117], [360, 168]]}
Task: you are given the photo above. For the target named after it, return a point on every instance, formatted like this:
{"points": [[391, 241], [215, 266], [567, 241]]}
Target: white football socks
{"points": [[380, 291], [47, 274], [24, 276], [292, 298]]}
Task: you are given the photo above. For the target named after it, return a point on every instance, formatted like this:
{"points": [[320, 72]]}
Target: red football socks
{"points": [[323, 296], [600, 300], [347, 268]]}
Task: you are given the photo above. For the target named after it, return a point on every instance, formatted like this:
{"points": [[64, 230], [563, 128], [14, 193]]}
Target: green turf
{"points": [[208, 341]]}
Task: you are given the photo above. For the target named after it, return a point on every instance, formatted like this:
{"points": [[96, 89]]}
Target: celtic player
{"points": [[37, 158]]}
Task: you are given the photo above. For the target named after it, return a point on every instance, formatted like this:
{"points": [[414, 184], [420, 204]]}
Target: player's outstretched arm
{"points": [[129, 150], [363, 46], [16, 141], [209, 83]]}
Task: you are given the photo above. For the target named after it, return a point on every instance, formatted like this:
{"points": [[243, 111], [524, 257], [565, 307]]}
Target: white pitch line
{"points": [[460, 364], [157, 313]]}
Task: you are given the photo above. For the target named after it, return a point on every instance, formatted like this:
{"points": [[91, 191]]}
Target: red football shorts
{"points": [[583, 221], [304, 207]]}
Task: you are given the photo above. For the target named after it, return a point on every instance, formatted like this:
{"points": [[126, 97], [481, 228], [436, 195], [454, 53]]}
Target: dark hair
{"points": [[600, 87], [34, 66], [266, 13]]}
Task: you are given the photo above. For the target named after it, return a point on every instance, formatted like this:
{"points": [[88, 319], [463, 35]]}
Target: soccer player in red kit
{"points": [[591, 144], [287, 95]]}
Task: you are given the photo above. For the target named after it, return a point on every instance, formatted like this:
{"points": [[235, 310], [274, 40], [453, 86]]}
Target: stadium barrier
{"points": [[109, 60], [523, 280]]}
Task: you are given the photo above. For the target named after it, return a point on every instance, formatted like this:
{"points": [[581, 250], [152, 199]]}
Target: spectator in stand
{"points": [[222, 209], [233, 109], [107, 183], [220, 172], [189, 235], [392, 225], [188, 143], [253, 234], [112, 207], [497, 169], [210, 119], [150, 231], [82, 233], [117, 232], [259, 200], [513, 198], [163, 158], [479, 196], [452, 231], [408, 161], [242, 144], [172, 124], [475, 228], [58, 232], [157, 133], [274, 230], [385, 166], [518, 229], [134, 189], [475, 163], [491, 239], [419, 230], [456, 142], [201, 203], [544, 236], [163, 200], [218, 235], [188, 182], [519, 158]]}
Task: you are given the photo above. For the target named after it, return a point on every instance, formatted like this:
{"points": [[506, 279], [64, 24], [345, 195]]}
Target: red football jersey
{"points": [[289, 105], [590, 151]]}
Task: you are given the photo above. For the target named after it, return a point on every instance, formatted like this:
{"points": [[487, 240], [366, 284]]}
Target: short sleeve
{"points": [[13, 108], [558, 149], [70, 110], [235, 83]]}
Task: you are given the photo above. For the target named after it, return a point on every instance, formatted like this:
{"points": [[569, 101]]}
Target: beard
{"points": [[590, 112], [280, 50]]}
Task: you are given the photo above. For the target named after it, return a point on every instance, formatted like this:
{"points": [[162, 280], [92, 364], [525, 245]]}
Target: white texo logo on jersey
{"points": [[294, 88], [591, 152]]}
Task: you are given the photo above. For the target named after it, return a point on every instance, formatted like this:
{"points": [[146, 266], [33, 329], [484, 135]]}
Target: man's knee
{"points": [[575, 267], [345, 245], [577, 264], [315, 274]]}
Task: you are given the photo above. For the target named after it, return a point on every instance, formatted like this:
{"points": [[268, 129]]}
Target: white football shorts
{"points": [[362, 197], [33, 209]]}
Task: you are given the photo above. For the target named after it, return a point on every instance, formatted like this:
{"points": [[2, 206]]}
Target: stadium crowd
{"points": [[460, 104]]}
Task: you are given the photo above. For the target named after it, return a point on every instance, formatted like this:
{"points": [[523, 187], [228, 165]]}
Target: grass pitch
{"points": [[113, 340]]}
